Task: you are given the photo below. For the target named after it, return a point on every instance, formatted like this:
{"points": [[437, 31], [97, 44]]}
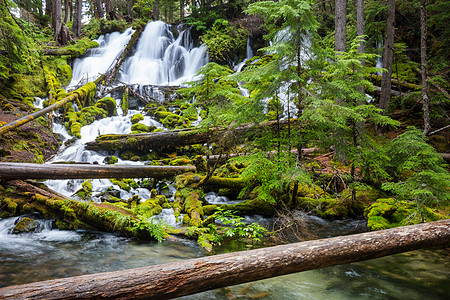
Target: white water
{"points": [[100, 59], [160, 59]]}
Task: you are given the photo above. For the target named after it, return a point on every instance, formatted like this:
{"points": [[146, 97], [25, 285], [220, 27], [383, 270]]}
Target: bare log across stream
{"points": [[206, 273], [170, 139], [10, 171]]}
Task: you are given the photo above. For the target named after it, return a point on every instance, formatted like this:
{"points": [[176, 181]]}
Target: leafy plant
{"points": [[236, 228], [423, 178]]}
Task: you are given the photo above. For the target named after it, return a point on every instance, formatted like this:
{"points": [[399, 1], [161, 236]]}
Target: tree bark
{"points": [[80, 93], [156, 10], [161, 141], [423, 64], [340, 25], [201, 274], [181, 9], [388, 56], [67, 10], [10, 171], [130, 9], [76, 26], [57, 18], [98, 9]]}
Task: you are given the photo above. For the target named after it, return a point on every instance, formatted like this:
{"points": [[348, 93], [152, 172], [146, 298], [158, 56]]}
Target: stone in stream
{"points": [[25, 224]]}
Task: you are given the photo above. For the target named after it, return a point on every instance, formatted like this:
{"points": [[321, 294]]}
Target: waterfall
{"points": [[99, 60], [160, 59]]}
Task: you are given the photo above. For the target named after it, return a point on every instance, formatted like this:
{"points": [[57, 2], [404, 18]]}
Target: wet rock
{"points": [[25, 224]]}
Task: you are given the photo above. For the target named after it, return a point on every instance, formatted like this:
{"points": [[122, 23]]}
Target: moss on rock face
{"points": [[136, 118], [251, 207], [169, 119], [389, 213], [85, 192], [139, 128], [108, 104], [25, 224]]}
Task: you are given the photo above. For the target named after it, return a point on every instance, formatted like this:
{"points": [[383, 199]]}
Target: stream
{"points": [[164, 56]]}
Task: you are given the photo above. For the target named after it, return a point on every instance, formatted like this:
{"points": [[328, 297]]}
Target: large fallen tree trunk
{"points": [[79, 93], [164, 140], [10, 171], [201, 274]]}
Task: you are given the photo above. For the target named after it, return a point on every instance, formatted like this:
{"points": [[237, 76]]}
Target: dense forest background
{"points": [[387, 128]]}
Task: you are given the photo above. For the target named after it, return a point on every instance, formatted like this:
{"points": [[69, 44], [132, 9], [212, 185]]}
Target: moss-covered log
{"points": [[10, 171], [201, 274], [80, 93], [22, 198], [160, 141]]}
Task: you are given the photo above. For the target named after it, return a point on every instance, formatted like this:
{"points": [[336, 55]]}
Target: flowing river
{"points": [[162, 58]]}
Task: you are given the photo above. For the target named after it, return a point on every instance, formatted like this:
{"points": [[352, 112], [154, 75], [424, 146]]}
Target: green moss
{"points": [[108, 104], [251, 206], [85, 192], [125, 104], [125, 183], [189, 112], [136, 118], [139, 127], [25, 225], [180, 162], [390, 213], [110, 160]]}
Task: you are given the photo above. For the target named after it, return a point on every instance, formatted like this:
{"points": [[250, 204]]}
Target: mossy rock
{"points": [[136, 118], [85, 192], [108, 104], [251, 207], [139, 127], [110, 160], [25, 224], [389, 213]]}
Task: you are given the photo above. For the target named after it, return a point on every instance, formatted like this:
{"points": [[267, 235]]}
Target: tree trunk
{"points": [[340, 25], [76, 26], [10, 171], [130, 9], [423, 64], [181, 10], [80, 93], [156, 10], [57, 18], [161, 141], [201, 274], [49, 8], [360, 25], [67, 10], [388, 56], [340, 36], [98, 9]]}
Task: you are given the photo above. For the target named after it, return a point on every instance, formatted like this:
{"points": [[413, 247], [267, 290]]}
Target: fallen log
{"points": [[171, 139], [79, 93], [9, 171], [206, 273]]}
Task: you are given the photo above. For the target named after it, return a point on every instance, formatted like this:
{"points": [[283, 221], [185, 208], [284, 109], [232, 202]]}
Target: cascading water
{"points": [[160, 59], [99, 59]]}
